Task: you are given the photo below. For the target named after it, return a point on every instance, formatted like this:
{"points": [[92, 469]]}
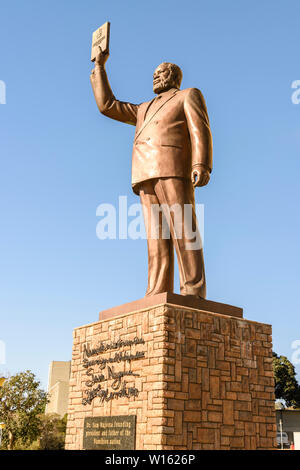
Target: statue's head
{"points": [[166, 76]]}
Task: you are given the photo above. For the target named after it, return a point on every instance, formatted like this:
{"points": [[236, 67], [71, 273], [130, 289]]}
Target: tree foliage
{"points": [[52, 433], [286, 385], [22, 401]]}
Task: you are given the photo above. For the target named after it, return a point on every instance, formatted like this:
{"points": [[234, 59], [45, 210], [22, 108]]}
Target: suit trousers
{"points": [[170, 221]]}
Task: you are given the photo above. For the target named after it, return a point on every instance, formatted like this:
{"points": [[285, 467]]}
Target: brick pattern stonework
{"points": [[205, 381]]}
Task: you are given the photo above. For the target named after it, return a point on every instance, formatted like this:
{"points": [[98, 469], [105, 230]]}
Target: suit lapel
{"points": [[146, 109], [151, 116]]}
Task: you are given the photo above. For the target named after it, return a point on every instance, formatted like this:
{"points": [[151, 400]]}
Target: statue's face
{"points": [[162, 79]]}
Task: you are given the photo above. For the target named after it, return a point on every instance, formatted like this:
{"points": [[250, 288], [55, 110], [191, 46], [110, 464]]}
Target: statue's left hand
{"points": [[200, 176]]}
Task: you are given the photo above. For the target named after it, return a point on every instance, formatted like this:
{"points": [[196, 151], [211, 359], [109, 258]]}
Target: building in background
{"points": [[290, 424], [58, 387], [2, 380]]}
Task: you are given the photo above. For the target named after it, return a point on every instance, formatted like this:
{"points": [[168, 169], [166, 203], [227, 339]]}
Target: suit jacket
{"points": [[172, 131]]}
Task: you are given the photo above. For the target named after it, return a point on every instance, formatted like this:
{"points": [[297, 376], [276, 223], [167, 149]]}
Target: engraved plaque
{"points": [[100, 38], [109, 433]]}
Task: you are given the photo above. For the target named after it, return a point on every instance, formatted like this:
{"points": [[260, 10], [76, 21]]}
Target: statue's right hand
{"points": [[102, 57]]}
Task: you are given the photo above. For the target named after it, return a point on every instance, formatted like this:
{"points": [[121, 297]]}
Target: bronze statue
{"points": [[172, 154]]}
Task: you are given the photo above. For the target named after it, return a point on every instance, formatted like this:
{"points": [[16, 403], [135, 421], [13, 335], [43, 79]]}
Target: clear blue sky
{"points": [[60, 159]]}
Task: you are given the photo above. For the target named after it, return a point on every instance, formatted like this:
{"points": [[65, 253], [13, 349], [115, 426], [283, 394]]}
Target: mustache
{"points": [[162, 82]]}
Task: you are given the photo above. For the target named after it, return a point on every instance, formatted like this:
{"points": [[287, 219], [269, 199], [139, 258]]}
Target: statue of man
{"points": [[172, 154]]}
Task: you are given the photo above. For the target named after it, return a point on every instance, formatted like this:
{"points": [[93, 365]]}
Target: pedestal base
{"points": [[193, 379]]}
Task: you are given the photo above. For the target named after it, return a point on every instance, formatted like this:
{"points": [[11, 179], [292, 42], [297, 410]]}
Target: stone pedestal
{"points": [[195, 374]]}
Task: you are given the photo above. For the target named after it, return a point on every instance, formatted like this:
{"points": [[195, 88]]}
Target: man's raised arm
{"points": [[105, 99]]}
